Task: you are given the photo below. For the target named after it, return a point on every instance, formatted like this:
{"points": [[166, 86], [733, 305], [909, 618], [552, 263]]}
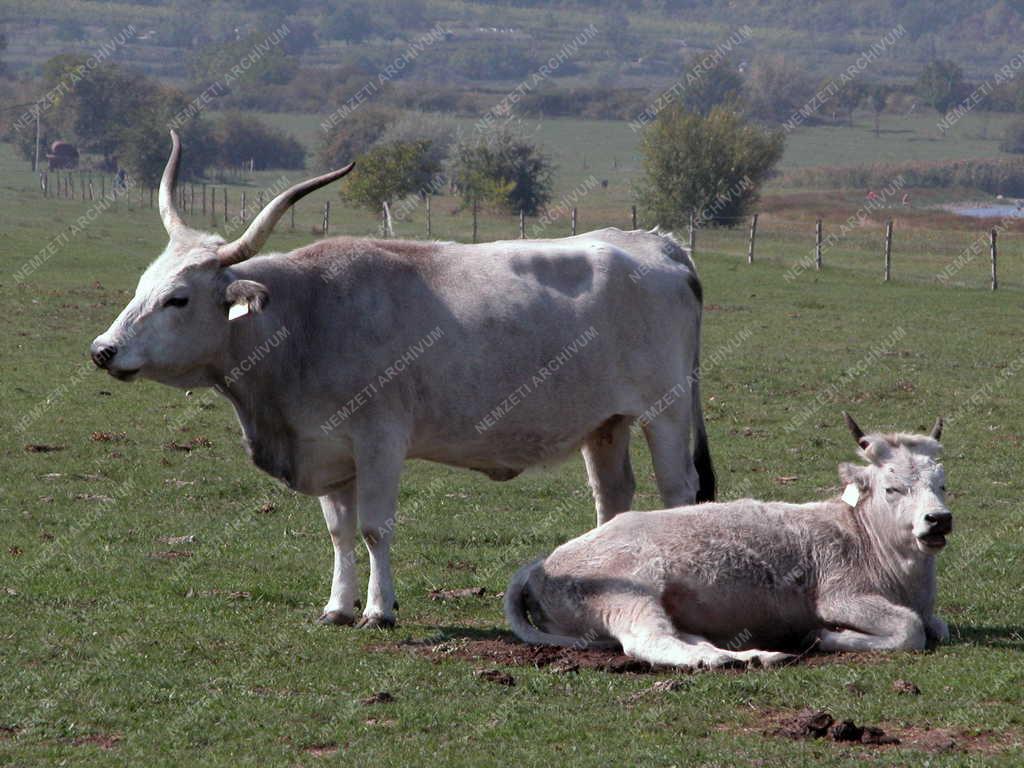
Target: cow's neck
{"points": [[907, 575]]}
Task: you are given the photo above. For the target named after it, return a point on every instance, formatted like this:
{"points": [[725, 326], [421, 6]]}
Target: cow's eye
{"points": [[176, 301]]}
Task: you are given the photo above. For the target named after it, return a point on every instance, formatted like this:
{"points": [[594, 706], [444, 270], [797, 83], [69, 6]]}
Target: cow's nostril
{"points": [[103, 354], [930, 518]]}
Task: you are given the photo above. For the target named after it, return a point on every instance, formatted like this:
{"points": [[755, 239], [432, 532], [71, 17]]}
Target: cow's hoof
{"points": [[337, 618], [722, 661], [376, 622], [771, 659]]}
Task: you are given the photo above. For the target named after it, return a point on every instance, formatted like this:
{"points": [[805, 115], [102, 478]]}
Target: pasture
{"points": [[124, 642]]}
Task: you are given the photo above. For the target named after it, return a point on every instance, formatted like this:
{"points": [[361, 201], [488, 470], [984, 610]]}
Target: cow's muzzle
{"points": [[102, 354], [940, 525]]}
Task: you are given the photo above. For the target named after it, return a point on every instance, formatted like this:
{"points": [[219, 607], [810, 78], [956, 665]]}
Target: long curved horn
{"points": [[937, 429], [857, 432], [168, 211], [256, 235]]}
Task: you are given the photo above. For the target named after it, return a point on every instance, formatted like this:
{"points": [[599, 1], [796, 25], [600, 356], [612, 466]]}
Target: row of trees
{"points": [[123, 117], [414, 154]]}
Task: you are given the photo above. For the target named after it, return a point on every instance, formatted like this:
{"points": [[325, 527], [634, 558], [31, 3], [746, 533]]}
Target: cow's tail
{"points": [[517, 614], [701, 452]]}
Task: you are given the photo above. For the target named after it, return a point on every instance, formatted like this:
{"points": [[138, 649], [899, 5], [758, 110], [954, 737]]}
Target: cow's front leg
{"points": [[378, 468], [871, 623], [340, 514]]}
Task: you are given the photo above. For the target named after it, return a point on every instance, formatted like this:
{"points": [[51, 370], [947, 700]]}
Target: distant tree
{"points": [[940, 84], [1013, 139], [301, 37], [776, 89], [391, 171], [705, 90], [711, 166], [241, 137], [93, 110], [878, 97], [504, 170], [353, 135], [846, 98], [144, 142]]}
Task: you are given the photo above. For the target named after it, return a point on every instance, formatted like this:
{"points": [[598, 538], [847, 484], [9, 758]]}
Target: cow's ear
{"points": [[244, 296], [854, 473]]}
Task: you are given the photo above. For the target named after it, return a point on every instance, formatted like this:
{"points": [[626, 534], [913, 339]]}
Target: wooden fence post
{"points": [[691, 235], [213, 204], [888, 250], [428, 215], [241, 210], [291, 211], [634, 216], [204, 199], [327, 216], [474, 220], [225, 204], [574, 219], [92, 191], [753, 234], [522, 224], [817, 245], [992, 250]]}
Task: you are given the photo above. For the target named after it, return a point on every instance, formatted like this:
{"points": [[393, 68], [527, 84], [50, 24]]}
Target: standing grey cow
{"points": [[747, 580], [494, 357]]}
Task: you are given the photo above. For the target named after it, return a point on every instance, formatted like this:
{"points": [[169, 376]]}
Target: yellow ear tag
{"points": [[238, 310], [851, 495]]}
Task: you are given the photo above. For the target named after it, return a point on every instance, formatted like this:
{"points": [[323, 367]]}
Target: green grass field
{"points": [[115, 651]]}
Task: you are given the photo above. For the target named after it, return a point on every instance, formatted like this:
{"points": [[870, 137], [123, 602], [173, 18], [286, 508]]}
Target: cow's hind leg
{"points": [[668, 437], [339, 510], [606, 453], [647, 633]]}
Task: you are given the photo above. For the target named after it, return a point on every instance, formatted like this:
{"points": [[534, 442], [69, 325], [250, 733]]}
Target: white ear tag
{"points": [[851, 495], [238, 310]]}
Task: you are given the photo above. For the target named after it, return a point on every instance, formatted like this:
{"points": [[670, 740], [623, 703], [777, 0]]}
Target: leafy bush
{"points": [[390, 171], [710, 166], [241, 137], [505, 171]]}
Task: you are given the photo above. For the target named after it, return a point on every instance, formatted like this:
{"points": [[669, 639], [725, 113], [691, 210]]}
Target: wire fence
{"points": [[943, 257]]}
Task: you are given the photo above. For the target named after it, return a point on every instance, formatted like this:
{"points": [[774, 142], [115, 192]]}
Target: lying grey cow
{"points": [[746, 580], [344, 358]]}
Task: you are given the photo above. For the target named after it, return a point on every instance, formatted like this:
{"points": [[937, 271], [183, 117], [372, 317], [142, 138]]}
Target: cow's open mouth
{"points": [[933, 540], [122, 375]]}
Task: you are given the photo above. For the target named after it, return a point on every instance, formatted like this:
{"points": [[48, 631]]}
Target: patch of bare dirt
{"points": [[101, 740], [507, 652], [820, 724], [43, 448], [321, 750], [381, 697]]}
